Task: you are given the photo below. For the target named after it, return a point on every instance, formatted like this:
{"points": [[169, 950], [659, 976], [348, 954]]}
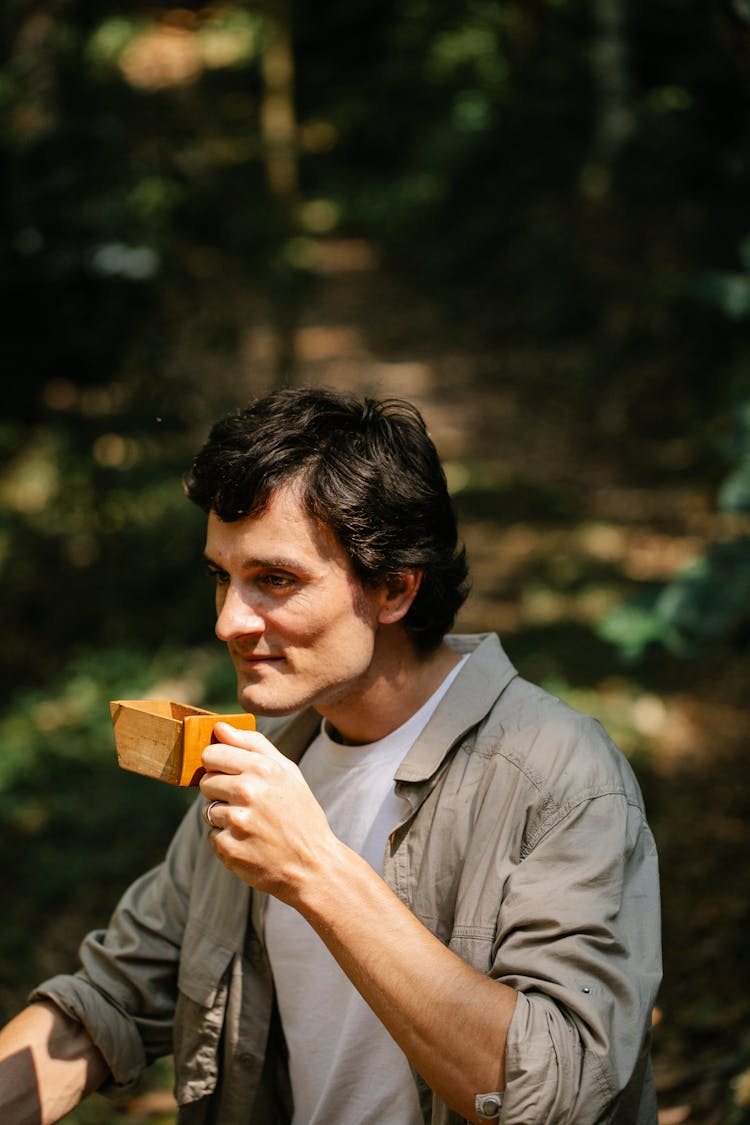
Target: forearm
{"points": [[48, 1064], [450, 1020]]}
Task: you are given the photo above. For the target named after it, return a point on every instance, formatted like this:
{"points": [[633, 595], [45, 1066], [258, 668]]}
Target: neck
{"points": [[392, 695]]}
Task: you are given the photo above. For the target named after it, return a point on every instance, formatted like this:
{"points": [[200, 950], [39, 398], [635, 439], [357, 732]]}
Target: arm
{"points": [[449, 1019], [125, 991], [48, 1064]]}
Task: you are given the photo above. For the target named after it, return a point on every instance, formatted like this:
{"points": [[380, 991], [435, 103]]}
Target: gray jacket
{"points": [[526, 851]]}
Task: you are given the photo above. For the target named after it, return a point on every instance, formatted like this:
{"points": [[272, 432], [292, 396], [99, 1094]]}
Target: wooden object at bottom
{"points": [[162, 739]]}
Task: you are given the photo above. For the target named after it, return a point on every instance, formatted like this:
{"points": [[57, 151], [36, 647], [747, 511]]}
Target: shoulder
{"points": [[563, 755]]}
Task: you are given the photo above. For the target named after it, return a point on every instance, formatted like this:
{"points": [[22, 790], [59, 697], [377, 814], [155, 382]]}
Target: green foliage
{"points": [[709, 599], [734, 493], [634, 627], [729, 292], [706, 601], [77, 826], [73, 503]]}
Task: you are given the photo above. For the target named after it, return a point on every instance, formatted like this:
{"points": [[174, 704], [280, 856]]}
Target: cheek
{"points": [[330, 638], [295, 628], [305, 618], [340, 618]]}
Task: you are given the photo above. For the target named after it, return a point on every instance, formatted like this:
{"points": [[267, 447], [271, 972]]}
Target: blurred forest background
{"points": [[529, 216]]}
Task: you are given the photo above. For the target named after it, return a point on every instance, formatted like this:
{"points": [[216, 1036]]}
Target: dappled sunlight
{"points": [[335, 257], [321, 342], [698, 729], [176, 49], [32, 480], [585, 567]]}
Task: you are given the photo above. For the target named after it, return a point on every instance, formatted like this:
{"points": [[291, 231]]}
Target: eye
{"points": [[278, 581], [219, 576]]}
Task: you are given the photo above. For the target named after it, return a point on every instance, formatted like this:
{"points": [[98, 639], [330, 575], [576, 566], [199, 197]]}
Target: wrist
{"points": [[323, 889]]}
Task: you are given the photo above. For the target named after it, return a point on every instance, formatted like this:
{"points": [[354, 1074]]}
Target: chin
{"points": [[268, 711], [270, 708]]}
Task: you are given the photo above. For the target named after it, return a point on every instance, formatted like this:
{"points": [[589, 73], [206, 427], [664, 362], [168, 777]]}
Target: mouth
{"points": [[254, 659]]}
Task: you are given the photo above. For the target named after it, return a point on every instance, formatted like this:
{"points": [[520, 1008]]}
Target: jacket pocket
{"points": [[202, 989]]}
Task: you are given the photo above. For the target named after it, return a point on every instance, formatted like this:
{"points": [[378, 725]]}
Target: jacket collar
{"points": [[475, 690]]}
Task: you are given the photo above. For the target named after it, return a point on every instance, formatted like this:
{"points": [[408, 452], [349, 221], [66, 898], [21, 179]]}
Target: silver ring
{"points": [[207, 813]]}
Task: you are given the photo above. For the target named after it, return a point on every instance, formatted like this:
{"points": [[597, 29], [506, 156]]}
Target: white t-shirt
{"points": [[343, 1064]]}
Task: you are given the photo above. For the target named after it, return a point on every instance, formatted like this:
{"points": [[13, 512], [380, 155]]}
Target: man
{"points": [[427, 892]]}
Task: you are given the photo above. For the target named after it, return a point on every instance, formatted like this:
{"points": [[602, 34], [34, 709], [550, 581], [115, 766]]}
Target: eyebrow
{"points": [[272, 563]]}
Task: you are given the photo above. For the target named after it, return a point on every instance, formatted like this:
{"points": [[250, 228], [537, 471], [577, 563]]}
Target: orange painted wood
{"points": [[163, 739]]}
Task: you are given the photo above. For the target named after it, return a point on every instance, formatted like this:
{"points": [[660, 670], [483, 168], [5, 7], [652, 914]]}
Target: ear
{"points": [[399, 591]]}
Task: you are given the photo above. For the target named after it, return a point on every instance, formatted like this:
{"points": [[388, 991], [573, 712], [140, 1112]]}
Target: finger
{"points": [[218, 758], [230, 754], [213, 815], [246, 739], [217, 787], [216, 784]]}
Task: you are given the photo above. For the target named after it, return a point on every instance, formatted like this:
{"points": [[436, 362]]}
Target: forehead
{"points": [[284, 529]]}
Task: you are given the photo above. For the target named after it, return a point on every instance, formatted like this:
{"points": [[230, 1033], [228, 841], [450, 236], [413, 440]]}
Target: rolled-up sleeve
{"points": [[125, 991], [579, 938]]}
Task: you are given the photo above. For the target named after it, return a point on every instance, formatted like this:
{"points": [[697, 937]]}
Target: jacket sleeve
{"points": [[579, 939], [125, 991]]}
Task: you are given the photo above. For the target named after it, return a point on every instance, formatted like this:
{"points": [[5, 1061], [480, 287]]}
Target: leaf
{"points": [[729, 292], [703, 603], [632, 628], [744, 246], [734, 494]]}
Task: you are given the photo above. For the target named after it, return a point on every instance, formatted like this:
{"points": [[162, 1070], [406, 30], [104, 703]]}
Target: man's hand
{"points": [[271, 832]]}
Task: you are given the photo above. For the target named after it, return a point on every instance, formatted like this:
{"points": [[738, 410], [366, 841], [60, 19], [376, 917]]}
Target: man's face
{"points": [[299, 628]]}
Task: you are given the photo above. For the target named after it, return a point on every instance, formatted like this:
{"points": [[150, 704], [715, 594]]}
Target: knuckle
{"points": [[242, 790], [238, 820]]}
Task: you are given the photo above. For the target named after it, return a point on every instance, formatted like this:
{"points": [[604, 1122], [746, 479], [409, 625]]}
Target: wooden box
{"points": [[159, 738]]}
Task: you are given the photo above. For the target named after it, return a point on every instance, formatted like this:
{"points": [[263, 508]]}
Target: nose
{"points": [[235, 616]]}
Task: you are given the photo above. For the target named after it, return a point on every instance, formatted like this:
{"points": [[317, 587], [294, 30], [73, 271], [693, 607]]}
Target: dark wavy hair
{"points": [[368, 470]]}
